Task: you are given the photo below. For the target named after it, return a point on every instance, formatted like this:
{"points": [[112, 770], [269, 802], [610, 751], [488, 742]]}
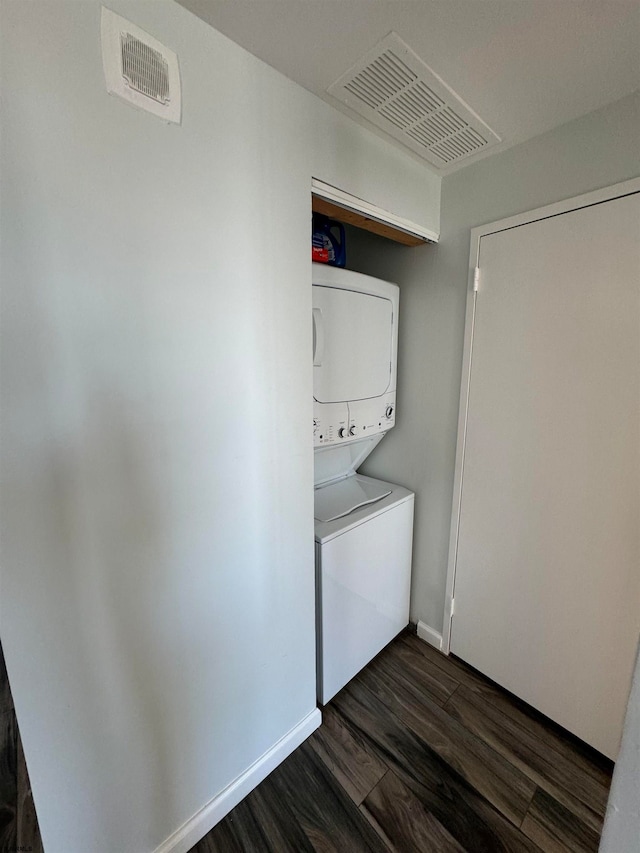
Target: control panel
{"points": [[338, 423], [330, 423]]}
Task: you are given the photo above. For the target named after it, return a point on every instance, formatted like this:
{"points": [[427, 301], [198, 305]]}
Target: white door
{"points": [[547, 578], [352, 345]]}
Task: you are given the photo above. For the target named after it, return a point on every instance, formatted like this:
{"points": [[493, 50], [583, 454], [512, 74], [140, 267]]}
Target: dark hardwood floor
{"points": [[418, 753], [421, 753], [18, 821]]}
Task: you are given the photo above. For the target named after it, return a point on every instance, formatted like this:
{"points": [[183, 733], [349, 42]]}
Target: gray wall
{"points": [[622, 822], [592, 152]]}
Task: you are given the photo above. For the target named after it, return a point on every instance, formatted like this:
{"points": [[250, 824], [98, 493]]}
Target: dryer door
{"points": [[352, 343]]}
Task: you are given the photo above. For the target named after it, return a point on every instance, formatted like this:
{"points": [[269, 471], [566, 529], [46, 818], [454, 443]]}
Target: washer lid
{"points": [[336, 461], [336, 500]]}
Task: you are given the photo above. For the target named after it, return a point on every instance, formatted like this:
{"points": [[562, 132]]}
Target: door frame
{"points": [[474, 284]]}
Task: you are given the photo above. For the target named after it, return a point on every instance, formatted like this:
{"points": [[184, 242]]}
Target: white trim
{"points": [[462, 437], [434, 638], [371, 211], [595, 197], [184, 838]]}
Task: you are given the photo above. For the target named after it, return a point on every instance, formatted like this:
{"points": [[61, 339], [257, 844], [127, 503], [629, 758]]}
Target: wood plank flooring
{"points": [[421, 753], [418, 753], [18, 821]]}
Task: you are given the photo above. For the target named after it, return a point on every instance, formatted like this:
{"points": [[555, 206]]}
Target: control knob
{"points": [[389, 411], [342, 432], [352, 430]]}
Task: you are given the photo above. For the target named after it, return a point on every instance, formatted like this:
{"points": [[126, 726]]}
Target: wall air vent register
{"points": [[139, 69], [394, 89]]}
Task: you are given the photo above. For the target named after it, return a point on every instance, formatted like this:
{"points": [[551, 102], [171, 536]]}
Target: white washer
{"points": [[363, 574]]}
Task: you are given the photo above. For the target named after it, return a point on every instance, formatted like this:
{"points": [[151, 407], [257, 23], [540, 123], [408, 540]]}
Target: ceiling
{"points": [[523, 66]]}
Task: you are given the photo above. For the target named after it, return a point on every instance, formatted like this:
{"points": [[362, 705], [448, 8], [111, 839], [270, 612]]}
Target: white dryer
{"points": [[355, 351], [363, 526]]}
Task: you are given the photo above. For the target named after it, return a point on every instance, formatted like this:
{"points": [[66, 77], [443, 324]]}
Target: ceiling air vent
{"points": [[139, 69], [394, 89]]}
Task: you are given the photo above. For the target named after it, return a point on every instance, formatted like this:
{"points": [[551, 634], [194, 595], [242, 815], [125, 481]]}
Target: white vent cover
{"points": [[394, 89], [139, 69]]}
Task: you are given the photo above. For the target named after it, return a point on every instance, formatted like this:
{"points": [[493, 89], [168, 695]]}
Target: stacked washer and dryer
{"points": [[363, 526]]}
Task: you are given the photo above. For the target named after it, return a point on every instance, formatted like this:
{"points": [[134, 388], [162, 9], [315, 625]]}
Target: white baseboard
{"points": [[434, 638], [204, 820]]}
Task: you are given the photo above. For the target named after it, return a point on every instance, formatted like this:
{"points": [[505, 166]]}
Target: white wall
{"points": [[157, 565], [595, 151]]}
